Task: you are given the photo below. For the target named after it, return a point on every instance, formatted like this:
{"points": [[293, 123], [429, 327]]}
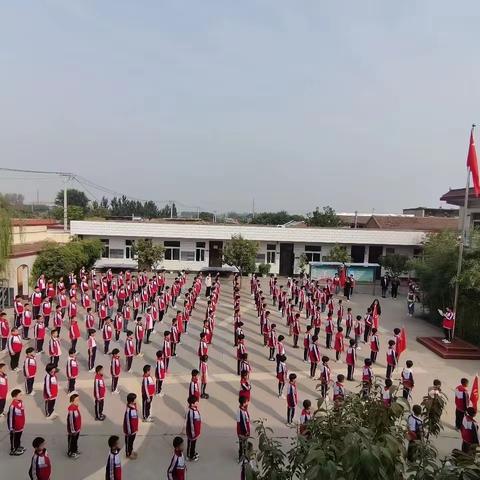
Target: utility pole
{"points": [[65, 203], [253, 207], [171, 210]]}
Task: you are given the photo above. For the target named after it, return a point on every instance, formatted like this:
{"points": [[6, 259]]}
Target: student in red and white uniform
{"points": [[374, 345], [113, 469], [292, 397], [339, 389], [50, 390], [130, 425], [54, 349], [15, 345], [3, 389], [118, 324], [41, 284], [39, 334], [102, 314], [462, 400], [72, 370], [329, 327], [29, 370], [136, 303], [115, 370], [74, 332], [325, 374], [148, 391], [27, 321], [305, 417], [99, 392], [194, 388], [351, 359], [407, 380], [18, 309], [391, 358], [160, 373], [4, 331], [36, 300], [92, 349], [51, 291], [89, 321], [46, 311], [72, 309], [129, 350], [448, 324], [74, 426], [58, 319], [387, 392], [16, 422], [469, 430], [40, 465], [272, 341], [203, 368], [282, 374], [193, 427], [367, 377], [177, 470], [243, 427], [86, 301], [139, 333], [107, 335], [314, 356]]}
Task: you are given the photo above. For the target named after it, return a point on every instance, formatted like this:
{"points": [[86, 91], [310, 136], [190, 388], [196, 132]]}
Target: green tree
{"points": [[5, 233], [395, 264], [275, 218], [74, 197], [241, 253], [74, 212], [148, 254], [325, 218], [303, 263], [339, 253]]}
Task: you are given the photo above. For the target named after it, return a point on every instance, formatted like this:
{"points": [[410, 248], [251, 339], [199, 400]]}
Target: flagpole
{"points": [[461, 246]]}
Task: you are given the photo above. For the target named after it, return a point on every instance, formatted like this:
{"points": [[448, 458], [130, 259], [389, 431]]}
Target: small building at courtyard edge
{"points": [[194, 246]]}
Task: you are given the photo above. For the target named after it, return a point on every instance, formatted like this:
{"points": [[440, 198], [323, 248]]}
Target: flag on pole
{"points": [[474, 393], [375, 316], [402, 342], [343, 275], [472, 164]]}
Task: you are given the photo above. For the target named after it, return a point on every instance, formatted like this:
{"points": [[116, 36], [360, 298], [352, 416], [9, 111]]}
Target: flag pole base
{"points": [[458, 349]]}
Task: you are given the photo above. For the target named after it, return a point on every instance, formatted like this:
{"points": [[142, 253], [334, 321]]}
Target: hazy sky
{"points": [[356, 104]]}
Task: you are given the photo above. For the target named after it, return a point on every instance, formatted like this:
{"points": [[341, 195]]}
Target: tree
{"points": [[74, 197], [395, 264], [339, 253], [5, 233], [148, 254], [14, 199], [73, 213], [357, 439], [325, 218], [275, 218], [241, 253], [57, 261], [303, 262]]}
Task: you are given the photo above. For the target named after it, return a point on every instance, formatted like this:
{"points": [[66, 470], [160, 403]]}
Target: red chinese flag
{"points": [[342, 276], [474, 393], [402, 342], [472, 164], [375, 316]]}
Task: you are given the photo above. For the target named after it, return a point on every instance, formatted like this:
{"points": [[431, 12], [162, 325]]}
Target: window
{"points": [[313, 253], [260, 258], [129, 248], [187, 256], [106, 247], [116, 253], [200, 252], [476, 221], [417, 252], [389, 250], [172, 250], [271, 247]]}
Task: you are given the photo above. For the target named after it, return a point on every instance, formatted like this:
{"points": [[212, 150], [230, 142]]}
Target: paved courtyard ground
{"points": [[217, 445]]}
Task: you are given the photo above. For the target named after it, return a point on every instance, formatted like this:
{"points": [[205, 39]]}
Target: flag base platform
{"points": [[458, 349]]}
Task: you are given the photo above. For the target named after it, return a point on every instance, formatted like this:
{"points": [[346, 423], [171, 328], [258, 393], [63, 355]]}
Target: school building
{"points": [[196, 246]]}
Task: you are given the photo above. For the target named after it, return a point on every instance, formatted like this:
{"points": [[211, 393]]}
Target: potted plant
{"points": [[264, 269]]}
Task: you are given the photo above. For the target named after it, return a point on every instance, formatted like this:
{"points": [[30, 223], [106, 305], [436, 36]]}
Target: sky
{"points": [[358, 105]]}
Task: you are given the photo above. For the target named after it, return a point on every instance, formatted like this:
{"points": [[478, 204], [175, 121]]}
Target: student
{"points": [[167, 348], [325, 376], [243, 427], [245, 385], [3, 389], [29, 370], [99, 391], [193, 427], [435, 389], [40, 466], [92, 349], [351, 359], [16, 422], [203, 367], [203, 345], [115, 370], [130, 425], [4, 331], [160, 373], [292, 398], [54, 349], [39, 334], [407, 379], [339, 343], [74, 332], [415, 431], [113, 470], [387, 392], [307, 340], [272, 342], [329, 331], [349, 322], [148, 391], [339, 390], [14, 348], [469, 431], [129, 350], [374, 345], [107, 335], [72, 370], [27, 321], [367, 377], [193, 389], [296, 329], [241, 349], [50, 390], [357, 330], [314, 354], [305, 417], [391, 358], [74, 426], [139, 333], [462, 400], [177, 470], [282, 374]]}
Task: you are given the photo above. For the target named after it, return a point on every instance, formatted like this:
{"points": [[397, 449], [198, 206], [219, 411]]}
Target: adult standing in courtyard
{"points": [[208, 285], [384, 283]]}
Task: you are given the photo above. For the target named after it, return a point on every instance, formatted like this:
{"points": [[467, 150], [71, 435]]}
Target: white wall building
{"points": [[196, 246]]}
